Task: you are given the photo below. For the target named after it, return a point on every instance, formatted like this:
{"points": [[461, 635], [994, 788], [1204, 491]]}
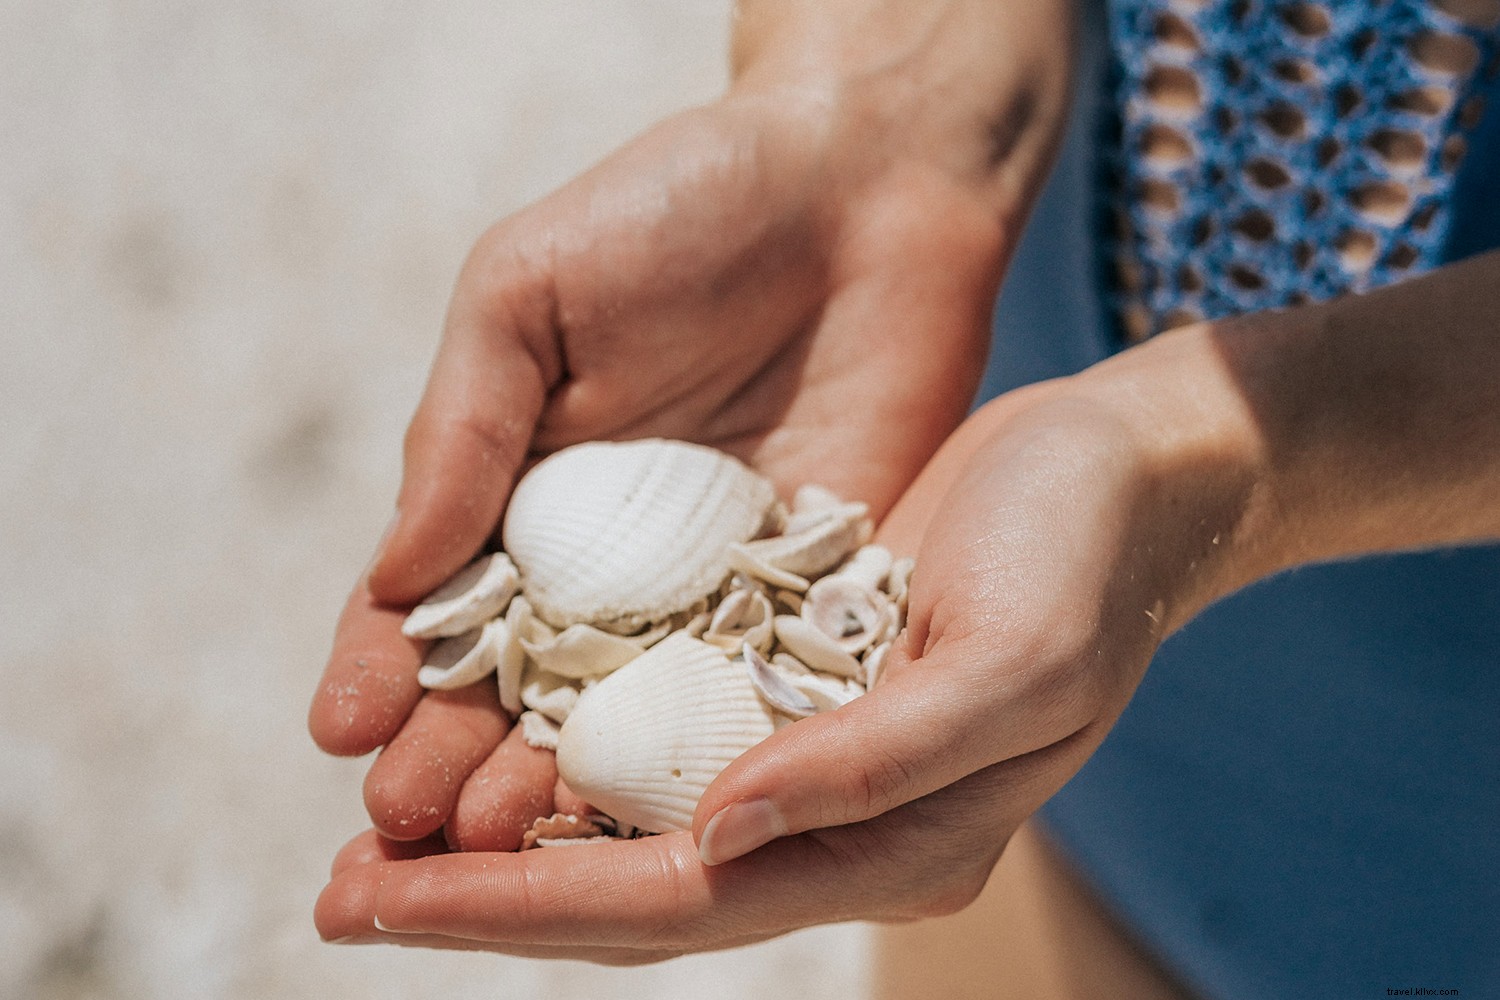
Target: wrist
{"points": [[1214, 515], [975, 91]]}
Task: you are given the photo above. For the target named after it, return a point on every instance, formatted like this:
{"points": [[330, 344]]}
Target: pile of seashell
{"points": [[655, 613]]}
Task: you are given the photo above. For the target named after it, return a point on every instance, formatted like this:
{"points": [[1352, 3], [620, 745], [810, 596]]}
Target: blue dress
{"points": [[1303, 798]]}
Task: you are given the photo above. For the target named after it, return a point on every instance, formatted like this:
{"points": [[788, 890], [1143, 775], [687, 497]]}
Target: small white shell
{"points": [[620, 535], [873, 665], [899, 580], [776, 689], [815, 542], [580, 651], [520, 625], [870, 565], [643, 743], [743, 616], [826, 693], [548, 694], [849, 611], [744, 560], [464, 659], [808, 644], [469, 598], [538, 730]]}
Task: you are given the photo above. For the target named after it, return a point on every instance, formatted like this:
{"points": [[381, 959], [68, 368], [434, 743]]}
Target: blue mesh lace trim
{"points": [[1276, 153]]}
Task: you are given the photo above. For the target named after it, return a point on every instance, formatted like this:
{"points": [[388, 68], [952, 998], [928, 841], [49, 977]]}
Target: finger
{"points": [[565, 800], [413, 785], [650, 893], [509, 792], [929, 724], [370, 847], [473, 426], [370, 683], [617, 957]]}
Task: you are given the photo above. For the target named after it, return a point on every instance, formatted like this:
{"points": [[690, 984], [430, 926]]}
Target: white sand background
{"points": [[227, 234]]}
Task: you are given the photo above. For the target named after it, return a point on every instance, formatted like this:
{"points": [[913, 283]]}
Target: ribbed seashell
{"points": [[815, 542], [849, 611], [580, 651], [624, 534], [538, 731], [643, 743], [549, 694], [809, 644], [463, 659], [774, 688], [743, 616], [469, 598], [520, 626]]}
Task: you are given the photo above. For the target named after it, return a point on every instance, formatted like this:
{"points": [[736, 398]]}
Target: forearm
{"points": [[1368, 424], [977, 87]]}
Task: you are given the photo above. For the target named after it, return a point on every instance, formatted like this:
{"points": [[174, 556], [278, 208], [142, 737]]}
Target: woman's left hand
{"points": [[1055, 543]]}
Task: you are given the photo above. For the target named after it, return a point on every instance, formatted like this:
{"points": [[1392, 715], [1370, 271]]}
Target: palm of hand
{"points": [[1033, 616], [709, 282]]}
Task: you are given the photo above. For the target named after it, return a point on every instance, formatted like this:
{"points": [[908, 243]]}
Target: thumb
{"points": [[932, 721], [471, 431]]}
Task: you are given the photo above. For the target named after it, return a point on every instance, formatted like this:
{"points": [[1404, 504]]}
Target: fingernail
{"points": [[740, 828]]}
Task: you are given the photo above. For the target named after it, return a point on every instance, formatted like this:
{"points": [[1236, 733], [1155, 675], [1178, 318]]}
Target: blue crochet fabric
{"points": [[1277, 153]]}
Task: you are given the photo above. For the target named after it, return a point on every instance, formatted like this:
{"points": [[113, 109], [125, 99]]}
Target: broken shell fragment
{"points": [[824, 692], [813, 647], [581, 651], [623, 534], [461, 660], [815, 542], [560, 827], [850, 612], [520, 625], [549, 694], [870, 565], [538, 730], [873, 665], [899, 581], [777, 691], [643, 743], [469, 598], [745, 560], [744, 616]]}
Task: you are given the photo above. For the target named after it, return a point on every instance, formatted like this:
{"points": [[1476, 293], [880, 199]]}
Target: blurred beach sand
{"points": [[229, 234]]}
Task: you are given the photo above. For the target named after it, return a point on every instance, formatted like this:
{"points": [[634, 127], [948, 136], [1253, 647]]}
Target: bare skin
{"points": [[1061, 533], [872, 168], [751, 275]]}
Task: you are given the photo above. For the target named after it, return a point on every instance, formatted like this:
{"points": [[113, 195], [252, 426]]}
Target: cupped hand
{"points": [[1056, 544], [734, 277]]}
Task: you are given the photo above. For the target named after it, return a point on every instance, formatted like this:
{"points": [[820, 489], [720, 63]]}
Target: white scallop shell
{"points": [[621, 534], [643, 743], [468, 599]]}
